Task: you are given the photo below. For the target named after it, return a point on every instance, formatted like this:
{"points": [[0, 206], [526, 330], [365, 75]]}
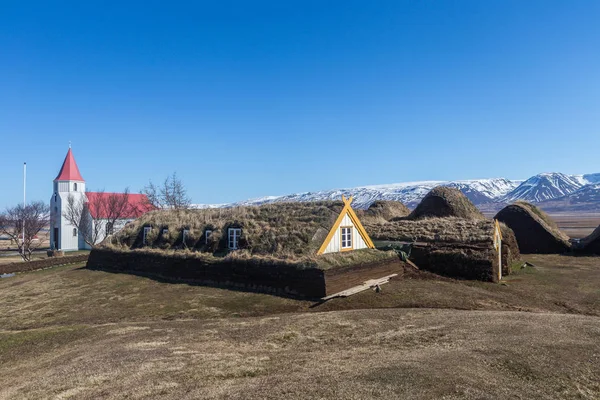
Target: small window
{"points": [[75, 186], [74, 232], [109, 228], [346, 233], [165, 231], [207, 234], [234, 237], [55, 197], [146, 232]]}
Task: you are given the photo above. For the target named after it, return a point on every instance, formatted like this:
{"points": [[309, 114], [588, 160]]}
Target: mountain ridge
{"points": [[489, 192]]}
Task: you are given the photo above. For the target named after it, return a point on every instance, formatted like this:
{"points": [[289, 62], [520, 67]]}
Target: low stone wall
{"points": [[41, 264], [249, 275]]}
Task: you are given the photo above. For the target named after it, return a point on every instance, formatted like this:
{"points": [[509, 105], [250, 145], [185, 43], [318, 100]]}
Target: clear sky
{"points": [[253, 98]]}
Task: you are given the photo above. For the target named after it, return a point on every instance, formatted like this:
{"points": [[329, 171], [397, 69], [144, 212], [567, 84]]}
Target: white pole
{"points": [[24, 201]]}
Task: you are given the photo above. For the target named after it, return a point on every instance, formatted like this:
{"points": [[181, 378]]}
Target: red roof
{"points": [[69, 170], [107, 206]]}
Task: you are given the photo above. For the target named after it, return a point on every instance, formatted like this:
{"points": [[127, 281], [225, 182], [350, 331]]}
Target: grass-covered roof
{"points": [[280, 228], [535, 231], [443, 202]]}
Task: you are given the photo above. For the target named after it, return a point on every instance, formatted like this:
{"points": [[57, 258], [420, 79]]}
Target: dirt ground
{"points": [[69, 332]]}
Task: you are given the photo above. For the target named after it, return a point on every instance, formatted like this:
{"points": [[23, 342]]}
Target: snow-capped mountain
{"points": [[546, 186], [586, 199], [410, 193], [587, 194], [487, 193], [592, 178]]}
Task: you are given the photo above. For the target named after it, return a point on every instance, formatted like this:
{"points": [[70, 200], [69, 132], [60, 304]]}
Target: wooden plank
{"points": [[361, 288]]}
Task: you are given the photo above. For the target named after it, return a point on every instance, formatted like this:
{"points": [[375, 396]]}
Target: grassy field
{"points": [[69, 332], [577, 225]]}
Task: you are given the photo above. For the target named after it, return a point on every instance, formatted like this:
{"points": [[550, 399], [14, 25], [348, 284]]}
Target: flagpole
{"points": [[24, 201]]}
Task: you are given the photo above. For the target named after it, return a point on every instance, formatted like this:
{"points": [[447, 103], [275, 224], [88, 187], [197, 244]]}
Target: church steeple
{"points": [[69, 170]]}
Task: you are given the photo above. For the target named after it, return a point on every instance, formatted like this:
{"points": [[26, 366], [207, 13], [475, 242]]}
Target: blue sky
{"points": [[245, 99]]}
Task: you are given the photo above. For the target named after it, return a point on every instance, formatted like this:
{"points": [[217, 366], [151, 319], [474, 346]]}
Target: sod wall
{"points": [[49, 262], [246, 274], [465, 262]]}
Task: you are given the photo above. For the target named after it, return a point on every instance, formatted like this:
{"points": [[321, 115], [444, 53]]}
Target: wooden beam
{"points": [[360, 288]]}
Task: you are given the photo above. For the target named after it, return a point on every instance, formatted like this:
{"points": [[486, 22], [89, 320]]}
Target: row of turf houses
{"points": [[317, 248]]}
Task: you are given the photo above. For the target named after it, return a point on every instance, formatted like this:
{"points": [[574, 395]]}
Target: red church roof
{"points": [[69, 170], [98, 204]]}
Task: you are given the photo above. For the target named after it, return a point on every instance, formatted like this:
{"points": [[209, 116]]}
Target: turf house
{"points": [[446, 234], [311, 249]]}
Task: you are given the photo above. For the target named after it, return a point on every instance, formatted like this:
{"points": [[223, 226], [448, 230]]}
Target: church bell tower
{"points": [[68, 182]]}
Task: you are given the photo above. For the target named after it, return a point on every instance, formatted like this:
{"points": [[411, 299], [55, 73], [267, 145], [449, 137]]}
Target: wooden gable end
{"points": [[338, 238]]}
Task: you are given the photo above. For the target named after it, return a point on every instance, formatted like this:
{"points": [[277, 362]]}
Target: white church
{"points": [[69, 182]]}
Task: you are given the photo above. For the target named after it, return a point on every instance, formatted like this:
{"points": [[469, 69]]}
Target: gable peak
{"points": [[69, 170]]}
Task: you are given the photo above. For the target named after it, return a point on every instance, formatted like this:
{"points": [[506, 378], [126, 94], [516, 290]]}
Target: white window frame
{"points": [[207, 233], [346, 239], [147, 230], [233, 238], [74, 232]]}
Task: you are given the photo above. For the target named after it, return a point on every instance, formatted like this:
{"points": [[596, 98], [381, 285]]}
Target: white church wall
{"points": [[67, 241]]}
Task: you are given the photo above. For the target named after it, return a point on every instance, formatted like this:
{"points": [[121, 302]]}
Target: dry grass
{"points": [[451, 230], [75, 333], [283, 229], [382, 211], [416, 354], [446, 202]]}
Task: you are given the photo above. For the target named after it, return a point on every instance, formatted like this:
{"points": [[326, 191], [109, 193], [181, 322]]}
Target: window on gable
{"points": [[207, 234], [346, 233], [74, 232], [234, 237]]}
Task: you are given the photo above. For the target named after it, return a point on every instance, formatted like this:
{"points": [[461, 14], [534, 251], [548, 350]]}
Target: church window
{"points": [[74, 232], [55, 197], [75, 186]]}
